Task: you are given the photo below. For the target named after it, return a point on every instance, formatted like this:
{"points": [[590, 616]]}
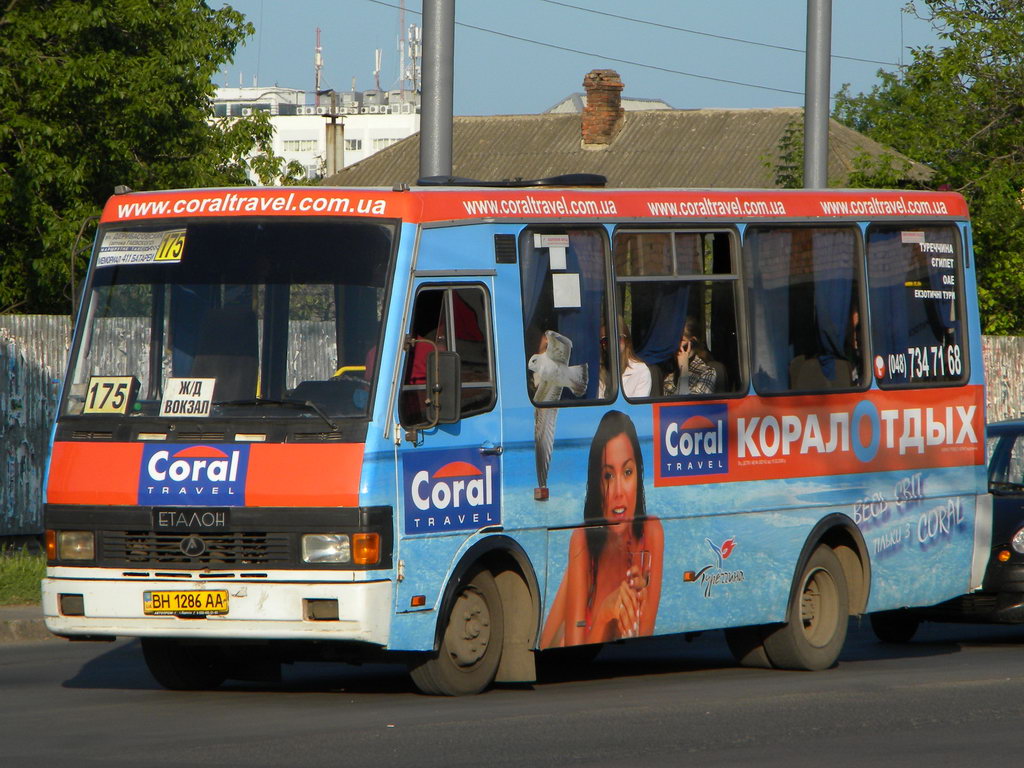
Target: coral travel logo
{"points": [[194, 474], [693, 441], [714, 574], [451, 490]]}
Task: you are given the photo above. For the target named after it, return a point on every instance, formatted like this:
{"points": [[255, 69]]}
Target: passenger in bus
{"points": [[428, 335], [695, 372], [612, 583], [636, 375], [853, 347]]}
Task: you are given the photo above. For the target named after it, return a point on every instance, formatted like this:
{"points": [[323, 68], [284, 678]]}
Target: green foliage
{"points": [[97, 93], [788, 166], [959, 109], [20, 574], [884, 171]]}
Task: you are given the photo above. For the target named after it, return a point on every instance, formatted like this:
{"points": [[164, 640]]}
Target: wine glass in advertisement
{"points": [[638, 576]]}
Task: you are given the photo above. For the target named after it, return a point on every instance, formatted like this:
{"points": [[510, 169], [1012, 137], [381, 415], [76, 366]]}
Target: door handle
{"points": [[489, 449]]}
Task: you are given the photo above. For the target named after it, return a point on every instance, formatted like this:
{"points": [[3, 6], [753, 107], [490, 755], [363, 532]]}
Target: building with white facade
{"points": [[369, 121]]}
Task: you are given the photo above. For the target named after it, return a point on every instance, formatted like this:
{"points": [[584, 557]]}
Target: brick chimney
{"points": [[602, 117]]}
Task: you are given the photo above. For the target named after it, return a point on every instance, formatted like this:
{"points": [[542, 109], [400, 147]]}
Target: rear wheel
{"points": [[816, 623], [183, 667], [895, 626], [747, 646], [467, 660]]}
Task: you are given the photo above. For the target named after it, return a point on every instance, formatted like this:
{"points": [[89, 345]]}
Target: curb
{"points": [[23, 624]]}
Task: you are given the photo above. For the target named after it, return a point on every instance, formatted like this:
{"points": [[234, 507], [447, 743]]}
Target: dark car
{"points": [[1001, 597]]}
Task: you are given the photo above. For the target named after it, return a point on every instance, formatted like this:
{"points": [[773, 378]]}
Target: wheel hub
{"points": [[469, 630], [818, 612]]}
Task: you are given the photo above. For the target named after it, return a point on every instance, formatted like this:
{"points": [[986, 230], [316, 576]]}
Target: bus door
{"points": [[449, 469]]}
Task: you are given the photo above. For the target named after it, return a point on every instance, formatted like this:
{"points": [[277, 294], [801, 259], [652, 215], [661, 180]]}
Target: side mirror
{"points": [[444, 387]]}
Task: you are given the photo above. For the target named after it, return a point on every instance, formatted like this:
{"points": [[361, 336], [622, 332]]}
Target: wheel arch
{"points": [[520, 601], [844, 538]]}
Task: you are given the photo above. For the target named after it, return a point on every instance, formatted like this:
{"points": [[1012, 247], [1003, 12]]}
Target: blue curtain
{"points": [[833, 271], [888, 271], [189, 304], [767, 256], [947, 317], [585, 257], [667, 319]]}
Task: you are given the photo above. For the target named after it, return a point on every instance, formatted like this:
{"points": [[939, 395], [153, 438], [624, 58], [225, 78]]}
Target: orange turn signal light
{"points": [[418, 601], [51, 545], [365, 548], [1004, 555]]}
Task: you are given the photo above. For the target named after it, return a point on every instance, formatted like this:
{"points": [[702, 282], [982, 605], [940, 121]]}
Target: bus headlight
{"points": [[1017, 542], [326, 548], [76, 545]]}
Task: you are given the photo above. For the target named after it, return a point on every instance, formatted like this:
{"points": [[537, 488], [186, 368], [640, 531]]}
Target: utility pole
{"points": [[438, 88], [816, 88]]}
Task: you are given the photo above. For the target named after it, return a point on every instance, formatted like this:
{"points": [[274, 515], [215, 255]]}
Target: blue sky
{"points": [[498, 70]]}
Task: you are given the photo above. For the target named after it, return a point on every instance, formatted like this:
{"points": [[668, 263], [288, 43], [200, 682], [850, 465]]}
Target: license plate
{"points": [[193, 602]]}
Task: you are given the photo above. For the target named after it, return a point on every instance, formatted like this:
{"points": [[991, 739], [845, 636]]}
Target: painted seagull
{"points": [[551, 374]]}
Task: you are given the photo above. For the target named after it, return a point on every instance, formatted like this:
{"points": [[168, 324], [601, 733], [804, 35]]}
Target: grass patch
{"points": [[20, 573]]}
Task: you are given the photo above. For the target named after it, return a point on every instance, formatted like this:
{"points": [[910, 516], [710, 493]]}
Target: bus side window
{"points": [[455, 319], [805, 306], [676, 291], [565, 313], [915, 277]]}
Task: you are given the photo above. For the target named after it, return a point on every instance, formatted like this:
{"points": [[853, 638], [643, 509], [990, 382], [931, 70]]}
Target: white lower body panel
{"points": [[257, 610]]}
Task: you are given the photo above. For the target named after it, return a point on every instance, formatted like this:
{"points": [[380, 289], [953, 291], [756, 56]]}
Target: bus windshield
{"points": [[227, 317]]}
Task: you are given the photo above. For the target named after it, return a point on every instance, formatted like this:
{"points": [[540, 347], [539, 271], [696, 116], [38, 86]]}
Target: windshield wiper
{"points": [[272, 401]]}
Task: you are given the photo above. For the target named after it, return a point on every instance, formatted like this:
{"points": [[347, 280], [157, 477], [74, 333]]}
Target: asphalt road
{"points": [[953, 697]]}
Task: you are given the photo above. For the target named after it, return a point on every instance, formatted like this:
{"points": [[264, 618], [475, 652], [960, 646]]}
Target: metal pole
{"points": [[816, 87], [438, 87]]}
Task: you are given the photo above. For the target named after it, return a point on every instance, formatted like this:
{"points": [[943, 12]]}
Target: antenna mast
{"points": [[318, 64], [401, 47]]}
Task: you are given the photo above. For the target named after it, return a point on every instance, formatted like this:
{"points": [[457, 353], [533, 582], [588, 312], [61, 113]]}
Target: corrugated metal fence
{"points": [[33, 349], [32, 358]]}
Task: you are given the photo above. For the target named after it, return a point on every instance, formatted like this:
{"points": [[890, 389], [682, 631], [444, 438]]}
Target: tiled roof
{"points": [[655, 148]]}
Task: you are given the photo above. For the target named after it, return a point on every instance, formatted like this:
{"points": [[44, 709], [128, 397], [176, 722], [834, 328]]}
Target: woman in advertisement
{"points": [[612, 582]]}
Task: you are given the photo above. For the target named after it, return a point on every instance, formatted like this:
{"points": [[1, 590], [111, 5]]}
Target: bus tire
{"points": [[895, 626], [182, 667], [470, 648], [815, 630], [747, 646]]}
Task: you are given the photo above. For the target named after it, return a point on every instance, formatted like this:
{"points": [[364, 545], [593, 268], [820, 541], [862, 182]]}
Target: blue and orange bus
{"points": [[458, 426]]}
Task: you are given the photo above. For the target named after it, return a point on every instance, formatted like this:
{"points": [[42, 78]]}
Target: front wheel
{"points": [[183, 667], [467, 660], [815, 630]]}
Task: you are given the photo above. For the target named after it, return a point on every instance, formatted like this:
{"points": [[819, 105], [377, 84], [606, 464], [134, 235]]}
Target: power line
{"points": [[710, 34], [604, 56]]}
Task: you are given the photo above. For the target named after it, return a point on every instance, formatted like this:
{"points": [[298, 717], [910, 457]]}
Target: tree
{"points": [[879, 171], [959, 109], [100, 93]]}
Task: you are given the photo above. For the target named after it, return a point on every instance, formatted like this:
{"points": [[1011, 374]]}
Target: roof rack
{"points": [[565, 180]]}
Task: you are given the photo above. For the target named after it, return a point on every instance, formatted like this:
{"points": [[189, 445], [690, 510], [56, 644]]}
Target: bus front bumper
{"points": [[280, 610]]}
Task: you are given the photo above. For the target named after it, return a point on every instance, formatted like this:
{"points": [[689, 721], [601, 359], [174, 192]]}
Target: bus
{"points": [[459, 427]]}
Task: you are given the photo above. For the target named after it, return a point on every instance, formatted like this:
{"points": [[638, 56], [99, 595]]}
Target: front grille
{"points": [[319, 437], [200, 437], [222, 549]]}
